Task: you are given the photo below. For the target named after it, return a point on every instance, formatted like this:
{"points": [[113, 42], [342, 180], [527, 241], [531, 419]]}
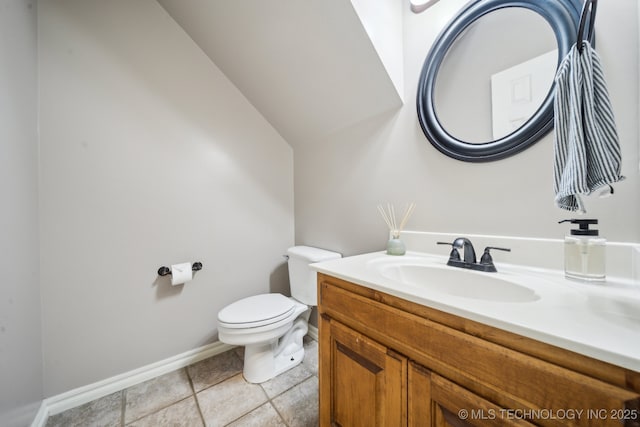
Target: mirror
{"points": [[486, 88], [467, 82]]}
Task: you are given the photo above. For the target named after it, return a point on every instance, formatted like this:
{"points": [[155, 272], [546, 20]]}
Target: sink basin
{"points": [[459, 282]]}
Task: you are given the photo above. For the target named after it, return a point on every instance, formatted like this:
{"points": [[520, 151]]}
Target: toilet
{"points": [[271, 326]]}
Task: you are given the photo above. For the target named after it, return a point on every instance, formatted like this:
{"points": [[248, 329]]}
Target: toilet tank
{"points": [[303, 279]]}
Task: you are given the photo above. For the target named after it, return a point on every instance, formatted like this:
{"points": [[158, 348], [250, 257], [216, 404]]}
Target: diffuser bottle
{"points": [[395, 246], [584, 252]]}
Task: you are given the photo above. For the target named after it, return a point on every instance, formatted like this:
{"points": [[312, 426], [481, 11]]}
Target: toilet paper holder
{"points": [[163, 271]]}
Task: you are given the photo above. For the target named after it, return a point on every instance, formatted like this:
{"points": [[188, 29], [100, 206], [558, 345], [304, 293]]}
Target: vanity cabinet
{"points": [[385, 361], [368, 381]]}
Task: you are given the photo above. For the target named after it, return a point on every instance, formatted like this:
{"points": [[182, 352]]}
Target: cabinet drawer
{"points": [[509, 378], [432, 397]]}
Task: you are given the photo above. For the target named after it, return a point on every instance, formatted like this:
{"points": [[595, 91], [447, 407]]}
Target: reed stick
{"points": [[389, 216]]}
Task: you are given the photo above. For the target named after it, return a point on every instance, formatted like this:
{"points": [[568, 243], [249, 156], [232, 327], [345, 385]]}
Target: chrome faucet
{"points": [[469, 255]]}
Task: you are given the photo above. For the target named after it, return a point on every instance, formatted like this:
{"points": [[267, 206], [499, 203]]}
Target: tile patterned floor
{"points": [[209, 393]]}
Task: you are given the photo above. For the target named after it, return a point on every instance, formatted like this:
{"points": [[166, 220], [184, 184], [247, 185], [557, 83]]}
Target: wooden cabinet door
{"points": [[362, 383], [437, 402]]}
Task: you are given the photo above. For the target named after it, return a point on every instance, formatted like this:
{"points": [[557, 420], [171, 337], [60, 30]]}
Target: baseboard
{"points": [[79, 396], [41, 417], [313, 332]]}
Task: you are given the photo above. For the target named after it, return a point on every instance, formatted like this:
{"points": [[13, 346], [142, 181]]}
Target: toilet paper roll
{"points": [[181, 273]]}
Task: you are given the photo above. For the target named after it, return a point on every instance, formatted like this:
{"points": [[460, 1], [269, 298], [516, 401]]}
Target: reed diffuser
{"points": [[395, 246]]}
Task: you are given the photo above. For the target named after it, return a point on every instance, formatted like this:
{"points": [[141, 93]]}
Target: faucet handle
{"points": [[488, 248], [486, 256], [454, 255]]}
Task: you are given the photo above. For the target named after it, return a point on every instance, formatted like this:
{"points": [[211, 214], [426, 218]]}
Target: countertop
{"points": [[601, 321]]}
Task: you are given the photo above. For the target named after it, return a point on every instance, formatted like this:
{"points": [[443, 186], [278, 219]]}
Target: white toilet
{"points": [[271, 326]]}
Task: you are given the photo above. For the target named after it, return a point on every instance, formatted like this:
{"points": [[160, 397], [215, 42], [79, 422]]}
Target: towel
{"points": [[586, 146]]}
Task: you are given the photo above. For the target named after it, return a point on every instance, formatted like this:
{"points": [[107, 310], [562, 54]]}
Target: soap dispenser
{"points": [[584, 252]]}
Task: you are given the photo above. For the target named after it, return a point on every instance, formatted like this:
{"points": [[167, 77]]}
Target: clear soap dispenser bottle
{"points": [[584, 252]]}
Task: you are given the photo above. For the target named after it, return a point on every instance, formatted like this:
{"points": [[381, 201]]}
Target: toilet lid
{"points": [[257, 310]]}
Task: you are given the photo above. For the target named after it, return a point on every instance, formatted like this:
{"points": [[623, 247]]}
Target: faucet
{"points": [[469, 255], [467, 246]]}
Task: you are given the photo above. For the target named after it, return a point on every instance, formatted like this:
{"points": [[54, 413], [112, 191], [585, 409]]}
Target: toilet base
{"points": [[264, 361]]}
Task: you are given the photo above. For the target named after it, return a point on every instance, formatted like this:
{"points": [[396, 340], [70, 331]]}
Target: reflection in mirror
{"points": [[509, 44]]}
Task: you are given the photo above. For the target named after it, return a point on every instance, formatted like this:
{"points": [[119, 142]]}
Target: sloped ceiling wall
{"points": [[308, 66]]}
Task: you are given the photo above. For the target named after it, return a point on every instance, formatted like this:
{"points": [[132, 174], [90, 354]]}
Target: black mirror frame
{"points": [[564, 18]]}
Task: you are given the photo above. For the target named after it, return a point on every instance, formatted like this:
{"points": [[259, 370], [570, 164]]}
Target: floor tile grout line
{"points": [[253, 409], [123, 403], [195, 397], [267, 402], [158, 410], [155, 411], [269, 399], [275, 408], [311, 374], [208, 386]]}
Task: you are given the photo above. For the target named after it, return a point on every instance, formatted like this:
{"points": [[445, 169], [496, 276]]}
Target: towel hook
{"points": [[589, 5]]}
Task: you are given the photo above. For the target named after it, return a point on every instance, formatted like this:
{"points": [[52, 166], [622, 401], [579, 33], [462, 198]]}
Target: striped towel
{"points": [[587, 150]]}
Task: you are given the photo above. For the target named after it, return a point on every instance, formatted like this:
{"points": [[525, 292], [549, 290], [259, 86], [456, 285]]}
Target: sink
{"points": [[459, 282]]}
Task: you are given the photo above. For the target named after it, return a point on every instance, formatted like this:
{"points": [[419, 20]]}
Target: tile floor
{"points": [[208, 393]]}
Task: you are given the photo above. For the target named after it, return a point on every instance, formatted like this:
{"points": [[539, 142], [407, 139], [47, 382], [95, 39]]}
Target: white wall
{"points": [[20, 325], [340, 180], [382, 20], [308, 66], [149, 156]]}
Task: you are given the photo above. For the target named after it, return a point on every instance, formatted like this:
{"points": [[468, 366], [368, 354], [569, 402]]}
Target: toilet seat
{"points": [[256, 311]]}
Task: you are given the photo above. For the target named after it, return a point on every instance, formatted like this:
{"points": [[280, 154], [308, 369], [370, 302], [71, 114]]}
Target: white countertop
{"points": [[598, 320]]}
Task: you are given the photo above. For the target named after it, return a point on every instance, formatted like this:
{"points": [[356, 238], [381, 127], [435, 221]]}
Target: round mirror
{"points": [[486, 88], [478, 100]]}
